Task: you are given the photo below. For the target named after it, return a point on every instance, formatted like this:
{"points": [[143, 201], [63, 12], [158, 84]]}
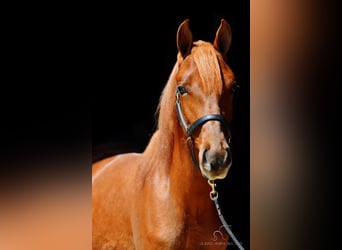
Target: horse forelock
{"points": [[206, 61]]}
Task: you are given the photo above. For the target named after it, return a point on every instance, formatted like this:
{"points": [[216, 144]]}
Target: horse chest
{"points": [[176, 229]]}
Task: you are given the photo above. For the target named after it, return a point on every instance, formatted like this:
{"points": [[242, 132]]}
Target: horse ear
{"points": [[223, 37], [184, 38]]}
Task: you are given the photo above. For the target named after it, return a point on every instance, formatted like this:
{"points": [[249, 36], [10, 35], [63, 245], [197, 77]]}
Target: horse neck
{"points": [[170, 159]]}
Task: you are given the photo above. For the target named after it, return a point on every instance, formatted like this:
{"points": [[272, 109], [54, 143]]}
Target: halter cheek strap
{"points": [[189, 129]]}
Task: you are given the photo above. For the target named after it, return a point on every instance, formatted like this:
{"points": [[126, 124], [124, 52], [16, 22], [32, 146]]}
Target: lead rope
{"points": [[214, 197]]}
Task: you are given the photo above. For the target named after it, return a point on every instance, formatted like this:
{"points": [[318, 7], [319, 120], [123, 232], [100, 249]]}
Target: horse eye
{"points": [[182, 90]]}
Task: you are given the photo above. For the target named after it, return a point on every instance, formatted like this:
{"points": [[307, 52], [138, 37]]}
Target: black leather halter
{"points": [[189, 129]]}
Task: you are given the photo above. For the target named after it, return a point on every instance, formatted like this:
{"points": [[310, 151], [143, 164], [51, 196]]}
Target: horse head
{"points": [[204, 99]]}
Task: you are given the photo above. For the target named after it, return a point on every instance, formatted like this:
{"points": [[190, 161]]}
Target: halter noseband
{"points": [[189, 129]]}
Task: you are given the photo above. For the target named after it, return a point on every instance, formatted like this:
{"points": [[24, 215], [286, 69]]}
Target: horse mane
{"points": [[166, 123]]}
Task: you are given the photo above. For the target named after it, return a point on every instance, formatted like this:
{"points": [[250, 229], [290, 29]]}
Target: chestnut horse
{"points": [[159, 199]]}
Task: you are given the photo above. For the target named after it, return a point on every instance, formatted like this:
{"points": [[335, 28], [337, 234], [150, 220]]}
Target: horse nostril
{"points": [[216, 163], [214, 160]]}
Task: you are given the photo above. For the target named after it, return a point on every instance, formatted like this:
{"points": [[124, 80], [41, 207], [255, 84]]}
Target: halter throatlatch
{"points": [[189, 129]]}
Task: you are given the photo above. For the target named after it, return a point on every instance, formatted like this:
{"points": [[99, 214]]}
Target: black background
{"points": [[82, 82]]}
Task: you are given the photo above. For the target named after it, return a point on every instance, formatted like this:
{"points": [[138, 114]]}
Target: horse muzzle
{"points": [[215, 163]]}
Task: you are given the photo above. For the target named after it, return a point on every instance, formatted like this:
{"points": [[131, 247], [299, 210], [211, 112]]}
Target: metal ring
{"points": [[213, 195]]}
